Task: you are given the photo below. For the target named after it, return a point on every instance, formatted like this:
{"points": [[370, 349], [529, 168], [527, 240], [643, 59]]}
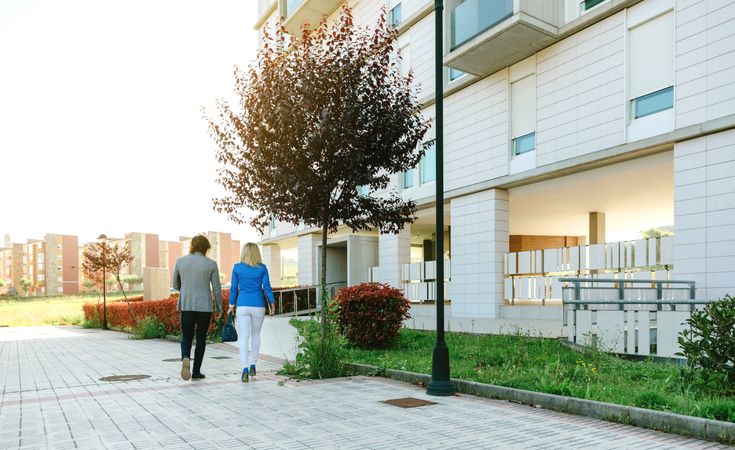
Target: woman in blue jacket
{"points": [[249, 282]]}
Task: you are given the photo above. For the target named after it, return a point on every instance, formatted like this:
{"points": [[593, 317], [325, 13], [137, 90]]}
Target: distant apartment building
{"points": [[11, 268], [169, 252], [146, 251], [571, 127], [49, 266], [225, 251]]}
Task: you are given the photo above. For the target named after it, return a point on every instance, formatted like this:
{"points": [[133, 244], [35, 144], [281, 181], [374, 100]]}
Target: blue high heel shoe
{"points": [[252, 370], [245, 375]]}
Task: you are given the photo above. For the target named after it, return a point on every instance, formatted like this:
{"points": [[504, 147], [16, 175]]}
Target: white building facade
{"points": [[572, 129]]}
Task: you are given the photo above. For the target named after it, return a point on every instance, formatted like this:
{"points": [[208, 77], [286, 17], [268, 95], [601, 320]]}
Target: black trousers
{"points": [[189, 321]]}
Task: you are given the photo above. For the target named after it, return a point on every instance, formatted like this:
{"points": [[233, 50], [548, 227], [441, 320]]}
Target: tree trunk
{"points": [[127, 302], [323, 281]]}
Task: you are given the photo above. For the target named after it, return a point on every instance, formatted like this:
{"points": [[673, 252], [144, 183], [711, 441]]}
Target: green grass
{"points": [[62, 310], [546, 365]]}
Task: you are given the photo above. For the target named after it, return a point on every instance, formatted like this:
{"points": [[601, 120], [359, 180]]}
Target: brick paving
{"points": [[52, 398]]}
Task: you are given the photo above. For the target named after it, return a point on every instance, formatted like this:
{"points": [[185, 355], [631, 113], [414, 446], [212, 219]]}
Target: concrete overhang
{"points": [[512, 40], [311, 12], [523, 34]]}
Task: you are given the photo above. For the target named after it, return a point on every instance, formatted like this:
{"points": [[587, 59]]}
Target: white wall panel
{"points": [[581, 92]]}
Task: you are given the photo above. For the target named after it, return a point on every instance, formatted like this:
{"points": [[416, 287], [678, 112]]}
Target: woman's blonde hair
{"points": [[251, 255]]}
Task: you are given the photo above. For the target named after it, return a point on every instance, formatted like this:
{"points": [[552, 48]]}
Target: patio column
{"points": [[596, 228], [308, 269], [704, 214], [394, 250], [272, 260], [480, 225]]}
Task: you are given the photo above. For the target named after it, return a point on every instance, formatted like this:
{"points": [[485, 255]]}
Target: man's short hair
{"points": [[199, 244]]}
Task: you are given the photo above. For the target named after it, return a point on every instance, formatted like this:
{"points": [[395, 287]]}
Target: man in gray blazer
{"points": [[193, 276]]}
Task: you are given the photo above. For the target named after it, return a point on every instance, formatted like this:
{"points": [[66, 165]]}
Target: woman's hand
{"points": [[271, 309], [230, 310]]}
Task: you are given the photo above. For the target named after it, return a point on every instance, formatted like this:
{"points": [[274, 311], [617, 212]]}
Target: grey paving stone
{"points": [[52, 398]]}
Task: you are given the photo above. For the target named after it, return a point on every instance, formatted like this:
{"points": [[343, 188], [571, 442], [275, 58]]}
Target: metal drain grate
{"points": [[172, 360], [221, 357], [408, 402], [125, 378]]}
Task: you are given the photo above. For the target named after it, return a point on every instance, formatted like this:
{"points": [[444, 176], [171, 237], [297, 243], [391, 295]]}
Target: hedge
{"points": [[126, 313]]}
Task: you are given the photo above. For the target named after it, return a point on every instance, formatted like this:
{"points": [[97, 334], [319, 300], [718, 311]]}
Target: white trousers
{"points": [[249, 324]]}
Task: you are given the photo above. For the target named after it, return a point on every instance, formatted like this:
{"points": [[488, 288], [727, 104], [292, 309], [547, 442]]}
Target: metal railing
{"points": [[302, 299], [535, 274], [638, 317], [418, 280]]}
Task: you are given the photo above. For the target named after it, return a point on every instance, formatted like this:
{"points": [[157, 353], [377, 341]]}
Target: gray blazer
{"points": [[193, 276]]}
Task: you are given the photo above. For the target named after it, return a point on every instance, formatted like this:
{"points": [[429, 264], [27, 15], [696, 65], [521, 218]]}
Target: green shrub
{"points": [[719, 410], [709, 343], [317, 358], [370, 315], [149, 328], [93, 323], [651, 400]]}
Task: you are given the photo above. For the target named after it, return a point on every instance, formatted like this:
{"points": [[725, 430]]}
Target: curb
{"points": [[714, 430]]}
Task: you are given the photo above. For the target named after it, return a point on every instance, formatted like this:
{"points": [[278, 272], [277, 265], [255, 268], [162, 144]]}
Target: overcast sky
{"points": [[100, 122]]}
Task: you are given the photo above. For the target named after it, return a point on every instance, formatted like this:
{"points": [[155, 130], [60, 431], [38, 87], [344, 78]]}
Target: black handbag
{"points": [[228, 333]]}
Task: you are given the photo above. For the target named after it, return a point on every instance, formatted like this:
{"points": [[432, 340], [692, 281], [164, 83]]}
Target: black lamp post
{"points": [[103, 239], [440, 383]]}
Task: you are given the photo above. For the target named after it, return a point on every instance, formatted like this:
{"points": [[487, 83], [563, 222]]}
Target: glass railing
{"points": [[475, 16], [291, 6]]}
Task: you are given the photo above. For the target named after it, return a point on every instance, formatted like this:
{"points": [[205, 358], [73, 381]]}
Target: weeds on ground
{"points": [[547, 365], [149, 328], [316, 358]]}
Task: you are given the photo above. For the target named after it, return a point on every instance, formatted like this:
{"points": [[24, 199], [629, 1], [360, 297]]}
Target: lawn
{"points": [[63, 310], [547, 365]]}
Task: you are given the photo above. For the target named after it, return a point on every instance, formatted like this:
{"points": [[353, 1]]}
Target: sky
{"points": [[101, 128]]}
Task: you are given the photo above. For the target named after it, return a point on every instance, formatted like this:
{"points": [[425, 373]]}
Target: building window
{"points": [[588, 4], [523, 115], [455, 73], [428, 163], [394, 15], [654, 102], [651, 65], [408, 179], [524, 144]]}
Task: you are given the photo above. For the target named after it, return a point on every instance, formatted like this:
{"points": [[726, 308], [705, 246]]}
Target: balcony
{"points": [[487, 35], [299, 12], [264, 6]]}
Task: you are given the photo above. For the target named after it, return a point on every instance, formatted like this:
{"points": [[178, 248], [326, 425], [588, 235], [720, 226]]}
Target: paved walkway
{"points": [[52, 397]]}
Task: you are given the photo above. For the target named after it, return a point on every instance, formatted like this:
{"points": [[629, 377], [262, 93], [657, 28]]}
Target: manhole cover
{"points": [[408, 402], [125, 378], [172, 360], [221, 357]]}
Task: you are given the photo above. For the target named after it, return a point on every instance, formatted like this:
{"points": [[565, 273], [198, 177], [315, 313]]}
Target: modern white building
{"points": [[571, 128]]}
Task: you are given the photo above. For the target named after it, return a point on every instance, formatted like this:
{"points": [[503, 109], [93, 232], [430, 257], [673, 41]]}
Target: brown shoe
{"points": [[185, 369]]}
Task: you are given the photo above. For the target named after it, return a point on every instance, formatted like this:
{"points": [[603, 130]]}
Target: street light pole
{"points": [[440, 383]]}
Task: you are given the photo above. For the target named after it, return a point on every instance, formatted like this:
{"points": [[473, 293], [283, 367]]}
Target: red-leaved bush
{"points": [[370, 315], [122, 314]]}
